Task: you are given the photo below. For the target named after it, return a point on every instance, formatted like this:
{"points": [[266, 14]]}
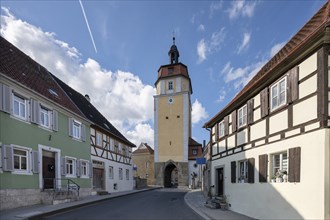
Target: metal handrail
{"points": [[57, 184]]}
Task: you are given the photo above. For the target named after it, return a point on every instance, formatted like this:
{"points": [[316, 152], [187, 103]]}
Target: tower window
{"points": [[170, 85], [170, 70]]}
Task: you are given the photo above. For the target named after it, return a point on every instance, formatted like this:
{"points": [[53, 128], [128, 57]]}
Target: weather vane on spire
{"points": [[173, 37]]}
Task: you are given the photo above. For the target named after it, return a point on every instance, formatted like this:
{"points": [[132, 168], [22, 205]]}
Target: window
{"points": [[221, 129], [19, 107], [280, 166], [278, 94], [147, 165], [170, 85], [123, 150], [110, 172], [70, 166], [98, 139], [20, 160], [84, 168], [120, 173], [242, 116], [243, 171], [194, 152], [44, 117], [76, 129], [127, 174]]}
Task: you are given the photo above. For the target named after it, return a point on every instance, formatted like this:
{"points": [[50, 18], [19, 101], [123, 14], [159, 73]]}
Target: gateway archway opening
{"points": [[171, 176]]}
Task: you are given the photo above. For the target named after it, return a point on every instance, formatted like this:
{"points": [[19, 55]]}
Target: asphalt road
{"points": [[154, 204]]}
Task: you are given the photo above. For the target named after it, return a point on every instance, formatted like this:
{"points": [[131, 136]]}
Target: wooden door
{"points": [[48, 172], [220, 181], [97, 178]]}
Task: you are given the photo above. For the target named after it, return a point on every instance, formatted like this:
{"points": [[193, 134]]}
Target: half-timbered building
{"points": [[111, 152], [270, 145]]}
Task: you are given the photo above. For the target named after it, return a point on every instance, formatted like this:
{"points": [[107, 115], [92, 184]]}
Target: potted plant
{"points": [[279, 176], [273, 179], [285, 176], [241, 179]]}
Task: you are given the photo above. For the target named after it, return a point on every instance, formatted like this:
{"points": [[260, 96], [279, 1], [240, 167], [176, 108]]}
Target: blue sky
{"points": [[223, 43]]}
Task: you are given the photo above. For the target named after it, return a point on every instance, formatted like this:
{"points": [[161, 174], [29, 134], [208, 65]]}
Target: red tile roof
{"points": [[312, 29], [21, 68], [144, 148]]}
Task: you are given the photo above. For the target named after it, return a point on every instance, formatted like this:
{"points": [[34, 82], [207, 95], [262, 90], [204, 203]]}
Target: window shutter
{"points": [[294, 164], [90, 169], [234, 121], [83, 132], [263, 168], [292, 86], [7, 158], [264, 102], [233, 171], [251, 170], [216, 131], [6, 98], [226, 124], [63, 166], [35, 162], [1, 98], [70, 127], [35, 111], [78, 167], [55, 120], [250, 106]]}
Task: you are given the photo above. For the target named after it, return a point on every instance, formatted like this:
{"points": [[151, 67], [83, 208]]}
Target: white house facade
{"points": [[270, 145]]}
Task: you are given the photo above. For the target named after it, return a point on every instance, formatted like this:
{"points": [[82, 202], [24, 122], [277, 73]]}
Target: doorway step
{"points": [[218, 202]]}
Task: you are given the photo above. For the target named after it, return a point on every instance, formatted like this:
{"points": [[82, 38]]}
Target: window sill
{"points": [[22, 173], [71, 176]]}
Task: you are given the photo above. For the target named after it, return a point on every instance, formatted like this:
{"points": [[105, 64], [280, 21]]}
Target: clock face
{"points": [[170, 100]]}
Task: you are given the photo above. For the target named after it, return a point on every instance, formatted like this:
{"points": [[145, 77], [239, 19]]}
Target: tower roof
{"points": [[173, 53]]}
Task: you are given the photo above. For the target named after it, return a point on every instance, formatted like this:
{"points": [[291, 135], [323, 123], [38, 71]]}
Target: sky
{"points": [[112, 50]]}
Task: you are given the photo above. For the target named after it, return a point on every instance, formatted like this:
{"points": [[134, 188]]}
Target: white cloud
{"points": [[201, 28], [245, 42], [215, 6], [120, 96], [207, 47], [198, 112], [222, 95], [276, 48], [241, 8]]}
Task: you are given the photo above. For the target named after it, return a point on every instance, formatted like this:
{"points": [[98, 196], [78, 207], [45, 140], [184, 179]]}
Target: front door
{"points": [[48, 171], [220, 181], [97, 178]]}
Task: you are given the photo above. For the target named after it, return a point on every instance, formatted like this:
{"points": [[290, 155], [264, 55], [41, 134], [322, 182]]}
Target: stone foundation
{"points": [[183, 173]]}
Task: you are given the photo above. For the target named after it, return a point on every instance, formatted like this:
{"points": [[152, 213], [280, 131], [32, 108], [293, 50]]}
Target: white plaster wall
{"points": [[257, 114], [305, 111], [307, 87], [194, 169], [222, 145], [256, 101], [242, 137], [231, 141], [278, 122], [156, 129], [308, 66], [258, 130], [304, 200], [214, 149]]}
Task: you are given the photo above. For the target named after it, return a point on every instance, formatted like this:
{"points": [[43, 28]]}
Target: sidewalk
{"points": [[37, 211], [195, 200]]}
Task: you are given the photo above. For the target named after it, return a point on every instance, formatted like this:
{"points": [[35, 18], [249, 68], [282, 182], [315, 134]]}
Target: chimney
{"points": [[87, 97]]}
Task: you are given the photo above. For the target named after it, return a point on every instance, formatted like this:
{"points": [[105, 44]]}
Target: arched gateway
{"points": [[170, 176]]}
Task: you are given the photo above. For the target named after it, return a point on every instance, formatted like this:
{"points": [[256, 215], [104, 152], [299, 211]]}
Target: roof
{"points": [[310, 32], [91, 112], [192, 142], [179, 69], [24, 70], [144, 148]]}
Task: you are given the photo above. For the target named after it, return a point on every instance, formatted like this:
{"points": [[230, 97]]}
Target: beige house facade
{"points": [[143, 160], [270, 145]]}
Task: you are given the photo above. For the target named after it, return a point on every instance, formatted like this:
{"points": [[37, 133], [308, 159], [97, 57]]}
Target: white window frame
{"points": [[127, 174], [16, 98], [221, 129], [120, 173], [28, 160], [73, 165], [111, 172], [84, 168], [170, 85], [243, 171], [242, 117], [45, 113], [278, 94], [283, 162], [76, 129], [98, 139]]}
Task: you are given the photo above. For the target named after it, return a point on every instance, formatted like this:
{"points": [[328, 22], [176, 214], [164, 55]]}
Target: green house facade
{"points": [[44, 137]]}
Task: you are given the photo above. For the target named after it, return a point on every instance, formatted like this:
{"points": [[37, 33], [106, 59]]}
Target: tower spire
{"points": [[173, 53]]}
